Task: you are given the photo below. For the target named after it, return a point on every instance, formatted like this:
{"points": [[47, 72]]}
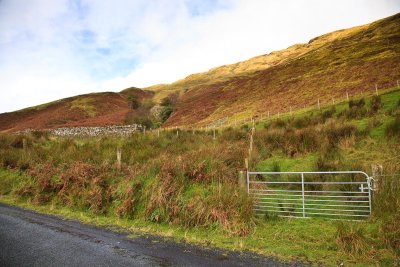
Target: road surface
{"points": [[28, 238]]}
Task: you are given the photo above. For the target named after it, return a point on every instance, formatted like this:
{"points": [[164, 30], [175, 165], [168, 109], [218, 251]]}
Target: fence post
{"points": [[119, 154], [248, 181], [24, 143], [158, 132], [376, 89], [144, 130], [302, 194], [377, 171], [319, 107], [242, 179], [347, 96]]}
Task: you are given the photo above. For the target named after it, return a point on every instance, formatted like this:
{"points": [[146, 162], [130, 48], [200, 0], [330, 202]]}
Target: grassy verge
{"points": [[287, 239]]}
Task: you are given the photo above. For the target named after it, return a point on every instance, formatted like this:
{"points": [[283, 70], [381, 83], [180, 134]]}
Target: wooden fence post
{"points": [[242, 179], [24, 143], [347, 96], [376, 89], [319, 106], [377, 171], [119, 155]]}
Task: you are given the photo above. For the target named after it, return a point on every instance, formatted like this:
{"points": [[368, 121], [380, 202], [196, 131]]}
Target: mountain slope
{"points": [[328, 67], [351, 60], [98, 109]]}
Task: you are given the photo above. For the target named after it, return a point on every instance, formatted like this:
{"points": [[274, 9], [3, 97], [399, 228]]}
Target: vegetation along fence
{"points": [[334, 195]]}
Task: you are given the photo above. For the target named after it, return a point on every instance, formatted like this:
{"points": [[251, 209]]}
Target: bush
{"points": [[166, 113], [356, 109], [335, 133], [376, 104], [393, 128], [304, 122], [278, 123], [328, 114], [357, 103], [40, 134]]}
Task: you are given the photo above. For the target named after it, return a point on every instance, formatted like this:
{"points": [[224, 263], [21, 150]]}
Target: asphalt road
{"points": [[28, 238]]}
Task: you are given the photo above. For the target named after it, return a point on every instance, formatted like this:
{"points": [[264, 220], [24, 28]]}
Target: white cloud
{"points": [[54, 49]]}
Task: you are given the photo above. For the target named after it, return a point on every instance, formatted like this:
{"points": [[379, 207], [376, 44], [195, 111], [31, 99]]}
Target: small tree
{"points": [[166, 113]]}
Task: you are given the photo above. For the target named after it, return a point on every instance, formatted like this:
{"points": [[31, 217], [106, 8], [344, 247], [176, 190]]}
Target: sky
{"points": [[51, 49]]}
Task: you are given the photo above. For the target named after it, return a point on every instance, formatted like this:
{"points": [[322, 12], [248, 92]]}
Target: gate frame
{"points": [[368, 182]]}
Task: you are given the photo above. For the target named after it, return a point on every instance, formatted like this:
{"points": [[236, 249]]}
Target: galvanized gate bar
{"points": [[305, 203]]}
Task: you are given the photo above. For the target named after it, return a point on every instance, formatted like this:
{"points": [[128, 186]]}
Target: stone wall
{"points": [[93, 131]]}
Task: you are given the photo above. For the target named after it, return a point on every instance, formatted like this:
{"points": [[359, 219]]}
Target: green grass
{"points": [[287, 164]]}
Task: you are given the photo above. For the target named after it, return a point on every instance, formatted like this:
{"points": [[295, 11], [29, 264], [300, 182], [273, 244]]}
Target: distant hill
{"points": [[351, 60], [97, 109]]}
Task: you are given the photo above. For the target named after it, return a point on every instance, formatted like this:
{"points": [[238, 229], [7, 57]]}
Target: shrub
{"points": [[356, 109], [335, 133], [357, 103], [40, 134], [166, 113], [376, 104], [303, 122], [278, 123], [393, 128], [328, 114]]}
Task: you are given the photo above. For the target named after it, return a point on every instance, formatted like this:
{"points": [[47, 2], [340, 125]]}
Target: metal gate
{"points": [[335, 195]]}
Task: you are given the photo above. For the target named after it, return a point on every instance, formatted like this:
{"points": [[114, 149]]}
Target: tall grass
{"points": [[153, 182]]}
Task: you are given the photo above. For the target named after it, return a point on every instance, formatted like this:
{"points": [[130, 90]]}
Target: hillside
{"points": [[351, 61], [97, 109]]}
